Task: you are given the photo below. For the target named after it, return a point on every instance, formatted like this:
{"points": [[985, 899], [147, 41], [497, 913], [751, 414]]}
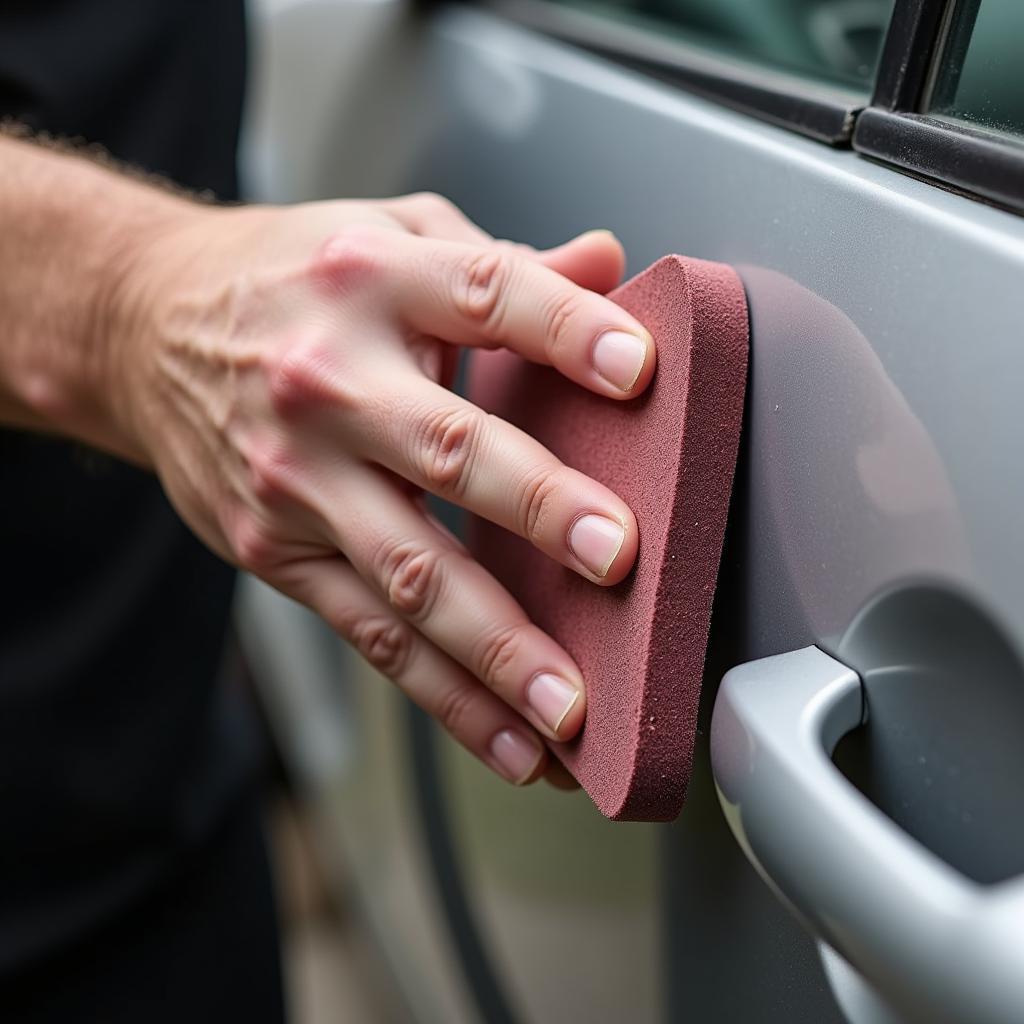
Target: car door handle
{"points": [[933, 944]]}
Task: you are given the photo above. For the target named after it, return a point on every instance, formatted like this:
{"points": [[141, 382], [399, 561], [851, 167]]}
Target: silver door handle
{"points": [[935, 945]]}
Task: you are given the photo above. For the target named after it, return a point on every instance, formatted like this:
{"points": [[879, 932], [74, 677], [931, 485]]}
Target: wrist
{"points": [[72, 230], [150, 258]]}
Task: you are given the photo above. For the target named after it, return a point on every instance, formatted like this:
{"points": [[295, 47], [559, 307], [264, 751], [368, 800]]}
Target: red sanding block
{"points": [[670, 454]]}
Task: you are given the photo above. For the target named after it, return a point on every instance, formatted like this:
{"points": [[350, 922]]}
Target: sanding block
{"points": [[670, 454]]}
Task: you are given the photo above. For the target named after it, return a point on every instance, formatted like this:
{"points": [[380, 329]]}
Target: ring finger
{"points": [[476, 718], [453, 601]]}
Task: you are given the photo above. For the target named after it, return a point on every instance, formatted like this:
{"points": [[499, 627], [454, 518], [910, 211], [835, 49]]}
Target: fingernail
{"points": [[619, 357], [552, 698], [515, 755], [595, 541]]}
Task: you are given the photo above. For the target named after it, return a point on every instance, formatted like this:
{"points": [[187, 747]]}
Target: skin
{"points": [[283, 372]]}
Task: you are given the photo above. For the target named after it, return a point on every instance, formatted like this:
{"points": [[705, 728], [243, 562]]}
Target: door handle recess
{"points": [[935, 945]]}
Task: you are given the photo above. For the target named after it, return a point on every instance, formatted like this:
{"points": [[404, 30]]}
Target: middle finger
{"points": [[451, 448]]}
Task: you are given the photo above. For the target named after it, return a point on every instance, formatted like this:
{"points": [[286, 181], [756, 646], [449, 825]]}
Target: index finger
{"points": [[495, 296]]}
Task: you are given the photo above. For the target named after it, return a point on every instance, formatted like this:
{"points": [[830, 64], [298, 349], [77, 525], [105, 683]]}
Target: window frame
{"points": [[982, 163], [890, 127], [819, 110]]}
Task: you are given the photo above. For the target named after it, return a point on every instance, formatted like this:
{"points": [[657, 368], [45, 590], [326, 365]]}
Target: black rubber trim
{"points": [[820, 111], [491, 1001], [952, 51], [969, 160], [907, 53], [983, 164]]}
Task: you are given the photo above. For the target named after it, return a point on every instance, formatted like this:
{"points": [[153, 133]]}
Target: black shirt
{"points": [[118, 752]]}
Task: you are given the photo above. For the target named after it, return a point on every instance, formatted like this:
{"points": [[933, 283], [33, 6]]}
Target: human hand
{"points": [[283, 370]]}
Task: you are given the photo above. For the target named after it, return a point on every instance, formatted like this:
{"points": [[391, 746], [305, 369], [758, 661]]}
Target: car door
{"points": [[860, 166]]}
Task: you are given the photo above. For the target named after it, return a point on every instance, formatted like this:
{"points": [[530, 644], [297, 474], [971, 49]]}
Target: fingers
{"points": [[433, 216], [447, 446], [594, 260], [454, 602], [478, 292], [481, 722], [493, 295]]}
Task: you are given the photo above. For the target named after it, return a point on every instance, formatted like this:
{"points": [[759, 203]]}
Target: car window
{"points": [[979, 75], [835, 40]]}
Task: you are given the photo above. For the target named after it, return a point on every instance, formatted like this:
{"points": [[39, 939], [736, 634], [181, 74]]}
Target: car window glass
{"points": [[979, 76], [835, 40]]}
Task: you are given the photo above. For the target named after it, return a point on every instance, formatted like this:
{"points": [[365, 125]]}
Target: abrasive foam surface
{"points": [[670, 455]]}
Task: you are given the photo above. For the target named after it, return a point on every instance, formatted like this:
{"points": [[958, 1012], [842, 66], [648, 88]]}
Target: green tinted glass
{"points": [[835, 40], [980, 77]]}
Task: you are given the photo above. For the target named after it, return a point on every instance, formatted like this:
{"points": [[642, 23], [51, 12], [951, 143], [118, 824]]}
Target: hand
{"points": [[283, 370]]}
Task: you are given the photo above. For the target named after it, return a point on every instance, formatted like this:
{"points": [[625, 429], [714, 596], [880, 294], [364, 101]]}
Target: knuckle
{"points": [[271, 470], [498, 653], [535, 502], [413, 580], [309, 373], [384, 642], [434, 202], [560, 315], [256, 548], [481, 285], [456, 709], [298, 376], [449, 438], [350, 256]]}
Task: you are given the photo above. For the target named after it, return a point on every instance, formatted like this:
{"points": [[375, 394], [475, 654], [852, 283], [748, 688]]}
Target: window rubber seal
{"points": [[889, 128], [818, 110], [962, 157], [978, 163]]}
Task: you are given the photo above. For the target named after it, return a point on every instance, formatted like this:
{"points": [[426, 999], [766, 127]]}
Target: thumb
{"points": [[594, 260]]}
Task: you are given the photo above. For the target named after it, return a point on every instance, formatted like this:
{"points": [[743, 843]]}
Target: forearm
{"points": [[69, 229]]}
